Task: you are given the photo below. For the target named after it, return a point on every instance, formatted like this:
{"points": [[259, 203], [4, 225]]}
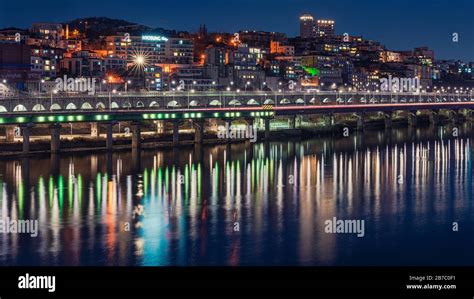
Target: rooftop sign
{"points": [[154, 38]]}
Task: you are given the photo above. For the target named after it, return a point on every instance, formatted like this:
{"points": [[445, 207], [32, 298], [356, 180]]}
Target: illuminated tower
{"points": [[306, 25]]}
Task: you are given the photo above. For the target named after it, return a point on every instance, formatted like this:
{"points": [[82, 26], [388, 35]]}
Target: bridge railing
{"points": [[134, 94]]}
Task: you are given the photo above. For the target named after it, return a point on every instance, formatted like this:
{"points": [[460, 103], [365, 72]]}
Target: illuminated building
{"points": [[324, 27], [154, 77], [49, 33], [84, 63], [179, 51], [113, 63], [45, 61], [158, 49], [391, 56], [278, 48], [424, 55], [261, 39], [330, 76], [306, 26], [216, 59], [246, 68]]}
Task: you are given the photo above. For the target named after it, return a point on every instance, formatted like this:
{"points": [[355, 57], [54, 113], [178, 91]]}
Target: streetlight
{"points": [[140, 62], [126, 84], [110, 98], [192, 91], [39, 85]]}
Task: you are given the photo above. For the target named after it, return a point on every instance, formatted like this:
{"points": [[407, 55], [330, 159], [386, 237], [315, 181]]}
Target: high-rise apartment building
{"points": [[306, 26], [315, 28], [324, 27]]}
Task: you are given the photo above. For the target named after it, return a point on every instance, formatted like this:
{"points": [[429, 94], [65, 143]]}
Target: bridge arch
{"points": [[140, 104], [269, 102], [55, 107], [284, 102], [300, 101], [173, 104], [3, 109], [252, 102], [38, 107], [114, 105], [235, 103], [154, 104], [86, 106], [19, 107], [100, 105], [71, 106], [127, 105], [215, 103], [326, 100], [194, 103], [313, 100]]}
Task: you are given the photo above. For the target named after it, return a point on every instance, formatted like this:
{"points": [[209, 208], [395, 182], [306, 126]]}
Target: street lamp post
{"points": [[110, 98], [51, 106], [246, 84], [40, 83], [126, 85]]}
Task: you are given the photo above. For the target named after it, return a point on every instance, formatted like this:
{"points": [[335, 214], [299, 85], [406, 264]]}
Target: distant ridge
{"points": [[95, 27]]}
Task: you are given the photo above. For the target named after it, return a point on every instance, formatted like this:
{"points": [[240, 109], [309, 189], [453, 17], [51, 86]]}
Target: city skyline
{"points": [[425, 23]]}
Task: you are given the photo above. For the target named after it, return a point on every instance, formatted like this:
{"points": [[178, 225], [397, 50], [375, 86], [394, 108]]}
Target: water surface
{"points": [[248, 204]]}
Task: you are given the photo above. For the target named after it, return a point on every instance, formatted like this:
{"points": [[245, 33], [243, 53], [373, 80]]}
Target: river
{"points": [[260, 204]]}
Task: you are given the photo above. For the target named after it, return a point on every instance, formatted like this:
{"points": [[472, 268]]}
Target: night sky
{"points": [[399, 24]]}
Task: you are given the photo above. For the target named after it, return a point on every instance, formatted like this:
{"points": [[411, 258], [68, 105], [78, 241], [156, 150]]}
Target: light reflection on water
{"points": [[182, 207]]}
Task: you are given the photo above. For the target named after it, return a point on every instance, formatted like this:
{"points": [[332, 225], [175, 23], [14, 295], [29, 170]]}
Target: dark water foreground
{"points": [[248, 204]]}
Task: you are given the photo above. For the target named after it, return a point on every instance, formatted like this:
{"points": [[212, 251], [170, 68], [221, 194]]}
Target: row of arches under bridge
{"points": [[196, 103]]}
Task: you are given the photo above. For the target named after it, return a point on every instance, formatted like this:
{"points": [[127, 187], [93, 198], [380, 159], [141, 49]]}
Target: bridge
{"points": [[188, 99], [175, 107]]}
